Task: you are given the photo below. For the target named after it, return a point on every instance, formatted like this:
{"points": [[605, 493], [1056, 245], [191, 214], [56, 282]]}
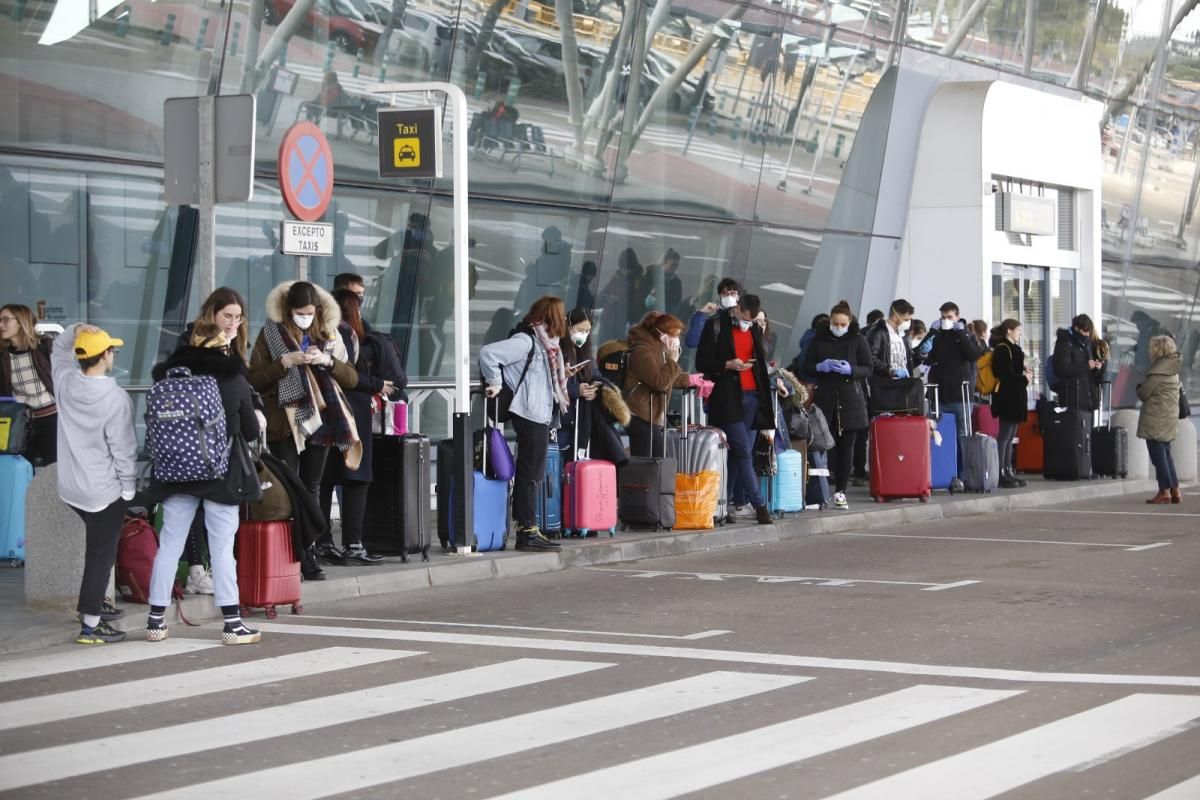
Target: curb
{"points": [[623, 548]]}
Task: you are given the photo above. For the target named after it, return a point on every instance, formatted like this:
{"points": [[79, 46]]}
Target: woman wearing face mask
{"points": [[299, 366], [531, 364], [25, 375], [585, 388], [1010, 400], [651, 373], [841, 359]]}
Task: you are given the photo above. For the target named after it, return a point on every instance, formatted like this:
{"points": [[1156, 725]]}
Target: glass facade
{"points": [[718, 130]]}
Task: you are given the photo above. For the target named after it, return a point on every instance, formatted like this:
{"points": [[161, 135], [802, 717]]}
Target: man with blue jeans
{"points": [[731, 355], [950, 351]]}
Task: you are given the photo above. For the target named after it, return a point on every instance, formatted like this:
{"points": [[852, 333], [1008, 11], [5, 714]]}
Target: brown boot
{"points": [[1161, 498], [1176, 496]]}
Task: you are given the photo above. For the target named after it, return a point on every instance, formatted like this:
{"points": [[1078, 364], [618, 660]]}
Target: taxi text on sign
{"points": [[410, 143], [305, 238]]}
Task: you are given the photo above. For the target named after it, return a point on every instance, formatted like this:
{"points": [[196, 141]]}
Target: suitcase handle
{"points": [[931, 390], [966, 397]]}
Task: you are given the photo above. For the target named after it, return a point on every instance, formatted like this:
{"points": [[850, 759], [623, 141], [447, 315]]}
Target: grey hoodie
{"points": [[97, 446]]}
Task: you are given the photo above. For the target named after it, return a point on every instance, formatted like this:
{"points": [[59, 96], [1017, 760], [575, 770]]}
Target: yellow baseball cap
{"points": [[93, 343]]}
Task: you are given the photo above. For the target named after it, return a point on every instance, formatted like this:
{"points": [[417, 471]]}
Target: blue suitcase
{"points": [[785, 489], [492, 505], [550, 502], [15, 475], [943, 461], [817, 495]]}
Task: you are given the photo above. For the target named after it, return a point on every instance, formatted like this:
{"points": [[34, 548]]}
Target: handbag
{"points": [[897, 396], [497, 459], [241, 478], [820, 438], [797, 423], [276, 503], [1185, 408]]}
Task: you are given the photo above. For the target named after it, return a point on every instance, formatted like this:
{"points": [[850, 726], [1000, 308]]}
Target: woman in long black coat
{"points": [[839, 359], [379, 373], [1010, 401]]}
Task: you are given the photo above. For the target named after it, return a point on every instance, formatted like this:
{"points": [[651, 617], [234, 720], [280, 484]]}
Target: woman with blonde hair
{"points": [[25, 375], [1159, 417]]}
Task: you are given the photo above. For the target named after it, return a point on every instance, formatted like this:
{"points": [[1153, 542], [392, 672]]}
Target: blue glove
{"points": [[900, 372], [926, 346], [824, 366], [842, 367]]}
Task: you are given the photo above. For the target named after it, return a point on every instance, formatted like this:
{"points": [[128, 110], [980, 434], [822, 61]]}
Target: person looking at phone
{"points": [[651, 373], [732, 356], [531, 364], [595, 402], [951, 350]]}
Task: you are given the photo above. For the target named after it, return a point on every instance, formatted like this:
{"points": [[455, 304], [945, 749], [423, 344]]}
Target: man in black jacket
{"points": [[731, 355], [951, 358]]}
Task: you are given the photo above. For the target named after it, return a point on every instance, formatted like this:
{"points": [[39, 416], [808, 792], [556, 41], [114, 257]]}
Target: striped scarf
{"points": [[558, 370]]}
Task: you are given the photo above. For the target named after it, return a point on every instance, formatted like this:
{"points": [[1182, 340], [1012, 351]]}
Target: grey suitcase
{"points": [[979, 456], [703, 450]]}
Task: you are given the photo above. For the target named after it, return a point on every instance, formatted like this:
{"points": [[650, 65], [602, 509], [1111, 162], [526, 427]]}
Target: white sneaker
{"points": [[839, 501], [199, 580]]}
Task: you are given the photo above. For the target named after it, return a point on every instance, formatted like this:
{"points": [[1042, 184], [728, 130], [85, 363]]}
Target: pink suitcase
{"points": [[984, 421], [589, 498]]}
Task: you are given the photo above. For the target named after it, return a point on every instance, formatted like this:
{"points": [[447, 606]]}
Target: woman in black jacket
{"points": [[1010, 400], [1077, 368], [595, 401], [840, 359], [209, 354], [368, 355]]}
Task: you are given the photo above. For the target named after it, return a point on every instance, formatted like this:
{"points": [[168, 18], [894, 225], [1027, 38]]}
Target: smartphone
{"points": [[581, 364], [750, 361]]}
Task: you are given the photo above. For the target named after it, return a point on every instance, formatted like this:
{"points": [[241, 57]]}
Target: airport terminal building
{"points": [[1033, 160]]}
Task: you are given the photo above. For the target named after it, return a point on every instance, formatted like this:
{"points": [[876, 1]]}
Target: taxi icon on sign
{"points": [[406, 152]]}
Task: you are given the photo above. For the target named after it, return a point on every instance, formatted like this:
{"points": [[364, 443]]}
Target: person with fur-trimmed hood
{"points": [[299, 366]]}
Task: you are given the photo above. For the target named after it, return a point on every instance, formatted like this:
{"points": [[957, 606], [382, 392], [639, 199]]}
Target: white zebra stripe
{"points": [[75, 658]]}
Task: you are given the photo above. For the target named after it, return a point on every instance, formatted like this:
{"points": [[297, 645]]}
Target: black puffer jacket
{"points": [[1010, 400], [840, 397], [952, 362], [1078, 384], [237, 398]]}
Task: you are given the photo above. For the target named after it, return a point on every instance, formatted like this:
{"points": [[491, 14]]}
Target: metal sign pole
{"points": [[462, 432], [206, 243]]}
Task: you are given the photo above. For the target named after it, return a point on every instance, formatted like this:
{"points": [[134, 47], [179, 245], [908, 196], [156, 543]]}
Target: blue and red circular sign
{"points": [[306, 171]]}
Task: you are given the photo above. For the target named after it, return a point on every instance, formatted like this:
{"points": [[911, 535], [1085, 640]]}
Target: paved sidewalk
{"points": [[21, 629]]}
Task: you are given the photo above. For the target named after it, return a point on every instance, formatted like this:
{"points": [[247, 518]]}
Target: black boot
{"points": [[310, 570], [532, 539]]}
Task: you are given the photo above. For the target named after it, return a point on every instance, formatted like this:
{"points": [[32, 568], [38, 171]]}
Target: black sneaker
{"points": [[532, 539], [100, 634], [109, 612], [330, 554], [356, 554], [240, 634], [310, 570]]}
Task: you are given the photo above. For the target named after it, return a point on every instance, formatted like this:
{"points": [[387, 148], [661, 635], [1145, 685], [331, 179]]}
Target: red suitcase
{"points": [[589, 493], [1029, 453], [900, 459], [984, 421], [268, 572]]}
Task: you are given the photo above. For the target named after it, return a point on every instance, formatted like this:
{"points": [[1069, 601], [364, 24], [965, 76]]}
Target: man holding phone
{"points": [[731, 355], [952, 351]]}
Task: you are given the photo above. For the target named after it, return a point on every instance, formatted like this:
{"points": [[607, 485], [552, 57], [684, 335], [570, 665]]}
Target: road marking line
{"points": [[717, 577], [1088, 738], [77, 658], [1132, 548], [689, 637], [372, 766], [1188, 790], [1100, 511], [67, 761], [727, 656], [703, 766], [132, 694]]}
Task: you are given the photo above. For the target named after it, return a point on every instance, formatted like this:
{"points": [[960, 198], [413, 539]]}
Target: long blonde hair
{"points": [[26, 332], [1161, 347], [206, 324]]}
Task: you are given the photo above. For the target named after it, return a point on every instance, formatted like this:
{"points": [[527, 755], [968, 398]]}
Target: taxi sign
{"points": [[410, 143], [305, 238], [306, 171]]}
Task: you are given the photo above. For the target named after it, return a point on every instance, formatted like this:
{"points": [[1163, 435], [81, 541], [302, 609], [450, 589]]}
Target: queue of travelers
{"points": [[304, 395]]}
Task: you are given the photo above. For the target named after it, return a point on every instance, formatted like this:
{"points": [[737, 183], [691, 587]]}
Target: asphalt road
{"points": [[1053, 653]]}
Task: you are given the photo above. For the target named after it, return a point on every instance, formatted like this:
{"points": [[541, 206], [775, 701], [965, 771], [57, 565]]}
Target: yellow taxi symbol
{"points": [[406, 152]]}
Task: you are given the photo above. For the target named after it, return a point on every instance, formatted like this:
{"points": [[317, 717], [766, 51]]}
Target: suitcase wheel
{"points": [[271, 612], [16, 563], [247, 611], [403, 556], [624, 528], [925, 498], [425, 553], [297, 609], [878, 499]]}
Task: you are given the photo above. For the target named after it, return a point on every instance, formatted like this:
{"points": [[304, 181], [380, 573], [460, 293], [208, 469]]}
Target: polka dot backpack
{"points": [[185, 428]]}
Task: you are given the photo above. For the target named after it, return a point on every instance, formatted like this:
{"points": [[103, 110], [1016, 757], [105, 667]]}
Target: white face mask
{"points": [[905, 325], [948, 324], [579, 337], [839, 331], [729, 300], [303, 321], [745, 324]]}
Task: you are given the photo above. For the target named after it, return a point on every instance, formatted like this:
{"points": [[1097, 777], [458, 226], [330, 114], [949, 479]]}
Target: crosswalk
{"points": [[39, 744]]}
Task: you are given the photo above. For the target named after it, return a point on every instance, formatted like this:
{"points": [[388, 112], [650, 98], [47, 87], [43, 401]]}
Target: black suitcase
{"points": [[1110, 446], [445, 482], [1068, 453], [399, 519], [646, 493]]}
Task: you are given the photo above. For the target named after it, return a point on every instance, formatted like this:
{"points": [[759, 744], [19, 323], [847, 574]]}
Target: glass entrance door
{"points": [[1043, 300]]}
